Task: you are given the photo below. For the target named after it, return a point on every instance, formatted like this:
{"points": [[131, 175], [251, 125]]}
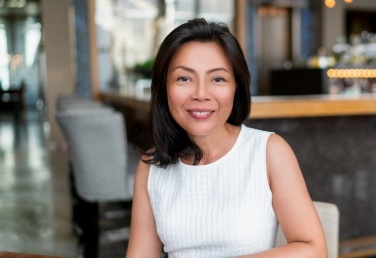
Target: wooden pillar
{"points": [[241, 23], [57, 58], [95, 87]]}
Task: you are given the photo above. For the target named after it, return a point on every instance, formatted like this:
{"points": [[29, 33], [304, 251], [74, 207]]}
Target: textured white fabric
{"points": [[223, 209]]}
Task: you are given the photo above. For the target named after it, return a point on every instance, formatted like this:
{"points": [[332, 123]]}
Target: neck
{"points": [[215, 146]]}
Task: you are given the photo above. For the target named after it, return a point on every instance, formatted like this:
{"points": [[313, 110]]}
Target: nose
{"points": [[202, 92]]}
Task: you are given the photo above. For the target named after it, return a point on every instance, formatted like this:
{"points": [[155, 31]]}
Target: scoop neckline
{"points": [[218, 161]]}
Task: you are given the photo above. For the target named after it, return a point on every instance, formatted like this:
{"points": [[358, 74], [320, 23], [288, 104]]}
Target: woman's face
{"points": [[200, 88]]}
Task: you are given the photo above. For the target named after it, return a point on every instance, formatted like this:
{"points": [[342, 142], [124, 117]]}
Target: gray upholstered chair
{"points": [[329, 217], [98, 150], [67, 102], [103, 165]]}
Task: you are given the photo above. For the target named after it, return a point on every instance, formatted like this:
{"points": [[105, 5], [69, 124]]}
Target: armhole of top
{"points": [[150, 174], [266, 174]]}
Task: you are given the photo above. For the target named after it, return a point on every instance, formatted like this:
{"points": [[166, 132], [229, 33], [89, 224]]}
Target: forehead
{"points": [[195, 52]]}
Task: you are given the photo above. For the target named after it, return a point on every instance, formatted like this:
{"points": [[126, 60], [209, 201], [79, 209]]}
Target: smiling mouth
{"points": [[201, 114]]}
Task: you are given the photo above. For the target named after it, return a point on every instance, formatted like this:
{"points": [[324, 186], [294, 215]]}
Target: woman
{"points": [[210, 186]]}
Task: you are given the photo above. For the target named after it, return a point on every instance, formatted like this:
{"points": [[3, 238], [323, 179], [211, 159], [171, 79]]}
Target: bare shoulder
{"points": [[142, 172], [142, 166], [278, 149], [280, 160], [276, 141]]}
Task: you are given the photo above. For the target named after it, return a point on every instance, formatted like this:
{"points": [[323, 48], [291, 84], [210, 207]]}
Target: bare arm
{"points": [[293, 205], [143, 240]]}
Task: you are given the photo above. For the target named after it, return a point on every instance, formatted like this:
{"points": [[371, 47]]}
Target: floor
{"points": [[35, 204]]}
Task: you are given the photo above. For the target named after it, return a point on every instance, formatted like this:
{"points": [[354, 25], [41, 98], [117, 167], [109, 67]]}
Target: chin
{"points": [[200, 132]]}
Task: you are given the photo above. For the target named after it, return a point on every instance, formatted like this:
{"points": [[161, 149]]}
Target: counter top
{"points": [[279, 106], [312, 106]]}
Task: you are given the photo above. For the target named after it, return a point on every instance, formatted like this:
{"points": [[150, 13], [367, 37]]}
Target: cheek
{"points": [[174, 98], [228, 98], [177, 94], [227, 105]]}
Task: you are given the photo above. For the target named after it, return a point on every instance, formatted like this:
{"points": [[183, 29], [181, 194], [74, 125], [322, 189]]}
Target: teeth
{"points": [[204, 113]]}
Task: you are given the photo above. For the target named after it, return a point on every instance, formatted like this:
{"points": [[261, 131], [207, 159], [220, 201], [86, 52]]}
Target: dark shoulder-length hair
{"points": [[167, 141]]}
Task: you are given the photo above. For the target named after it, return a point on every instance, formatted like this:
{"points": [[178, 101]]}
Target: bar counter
{"points": [[333, 137]]}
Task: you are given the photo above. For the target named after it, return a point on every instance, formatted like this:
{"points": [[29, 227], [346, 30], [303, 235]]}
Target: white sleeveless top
{"points": [[223, 209]]}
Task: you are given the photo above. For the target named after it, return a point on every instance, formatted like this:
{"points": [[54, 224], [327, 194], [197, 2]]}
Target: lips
{"points": [[201, 113]]}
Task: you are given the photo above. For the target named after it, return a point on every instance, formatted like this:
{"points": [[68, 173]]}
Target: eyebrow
{"points": [[193, 71]]}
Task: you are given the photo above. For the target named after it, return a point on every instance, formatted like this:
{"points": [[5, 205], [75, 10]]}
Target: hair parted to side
{"points": [[167, 141]]}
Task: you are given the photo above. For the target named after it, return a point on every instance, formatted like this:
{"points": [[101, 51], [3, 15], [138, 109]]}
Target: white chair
{"points": [[329, 218]]}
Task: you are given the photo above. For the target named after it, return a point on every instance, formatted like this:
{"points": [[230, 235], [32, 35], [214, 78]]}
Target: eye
{"points": [[183, 79], [218, 79]]}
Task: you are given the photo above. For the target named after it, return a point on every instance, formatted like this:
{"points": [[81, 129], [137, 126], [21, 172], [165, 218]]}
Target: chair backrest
{"points": [[329, 218], [98, 149], [73, 102]]}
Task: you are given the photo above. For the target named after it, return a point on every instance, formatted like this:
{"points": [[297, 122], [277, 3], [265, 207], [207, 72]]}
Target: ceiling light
{"points": [[330, 3]]}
